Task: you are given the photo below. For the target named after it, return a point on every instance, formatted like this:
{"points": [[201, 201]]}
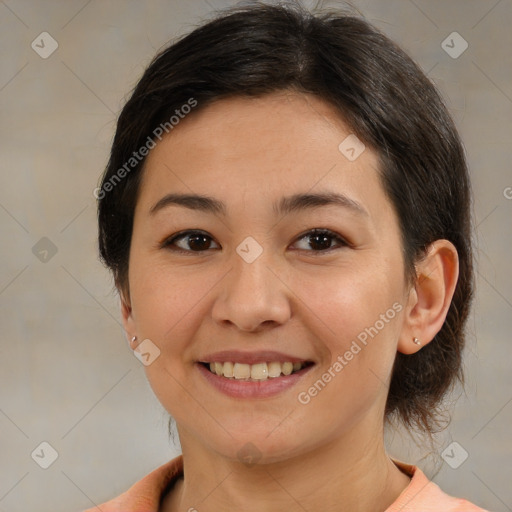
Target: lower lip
{"points": [[252, 389]]}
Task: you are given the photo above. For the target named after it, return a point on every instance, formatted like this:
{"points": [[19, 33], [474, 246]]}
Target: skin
{"points": [[294, 298]]}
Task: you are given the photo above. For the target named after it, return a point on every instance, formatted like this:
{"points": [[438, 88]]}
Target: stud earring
{"points": [[134, 339], [417, 341]]}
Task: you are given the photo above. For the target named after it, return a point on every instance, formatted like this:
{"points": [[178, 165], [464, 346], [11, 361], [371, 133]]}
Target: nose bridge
{"points": [[251, 269], [252, 294]]}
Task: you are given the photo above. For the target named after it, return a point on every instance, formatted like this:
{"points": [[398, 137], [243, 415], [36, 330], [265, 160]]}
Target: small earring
{"points": [[134, 339], [417, 341]]}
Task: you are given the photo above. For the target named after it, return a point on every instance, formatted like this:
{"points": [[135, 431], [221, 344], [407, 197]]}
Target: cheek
{"points": [[170, 306], [163, 310], [356, 315], [165, 301], [358, 323], [348, 300], [166, 306]]}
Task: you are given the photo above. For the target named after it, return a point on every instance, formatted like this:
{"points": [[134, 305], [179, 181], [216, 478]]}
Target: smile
{"points": [[255, 372], [261, 374]]}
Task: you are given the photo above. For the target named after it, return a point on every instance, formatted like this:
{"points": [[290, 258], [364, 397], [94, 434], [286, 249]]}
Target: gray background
{"points": [[67, 374]]}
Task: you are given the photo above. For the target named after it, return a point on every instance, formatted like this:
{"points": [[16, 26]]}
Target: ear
{"points": [[128, 320], [430, 297]]}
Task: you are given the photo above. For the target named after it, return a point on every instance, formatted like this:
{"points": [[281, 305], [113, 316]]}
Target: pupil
{"points": [[198, 246], [324, 243]]}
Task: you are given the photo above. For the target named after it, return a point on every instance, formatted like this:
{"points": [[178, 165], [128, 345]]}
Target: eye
{"points": [[320, 240], [197, 241]]}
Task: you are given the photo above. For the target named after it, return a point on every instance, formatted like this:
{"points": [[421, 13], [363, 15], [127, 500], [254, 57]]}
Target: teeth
{"points": [[228, 370], [274, 369], [241, 371], [287, 368], [259, 371]]}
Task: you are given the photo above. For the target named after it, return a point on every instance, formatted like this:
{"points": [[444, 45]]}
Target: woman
{"points": [[286, 216]]}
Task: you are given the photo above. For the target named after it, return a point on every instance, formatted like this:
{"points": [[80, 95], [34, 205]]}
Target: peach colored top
{"points": [[421, 495]]}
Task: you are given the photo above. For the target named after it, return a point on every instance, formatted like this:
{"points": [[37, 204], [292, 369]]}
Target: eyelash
{"points": [[317, 231]]}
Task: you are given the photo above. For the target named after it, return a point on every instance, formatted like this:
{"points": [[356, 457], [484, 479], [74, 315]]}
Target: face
{"points": [[263, 274]]}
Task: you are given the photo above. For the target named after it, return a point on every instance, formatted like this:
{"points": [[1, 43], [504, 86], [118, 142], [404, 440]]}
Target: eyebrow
{"points": [[286, 205]]}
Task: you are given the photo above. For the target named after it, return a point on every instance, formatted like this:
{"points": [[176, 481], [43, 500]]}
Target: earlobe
{"points": [[128, 321], [436, 278]]}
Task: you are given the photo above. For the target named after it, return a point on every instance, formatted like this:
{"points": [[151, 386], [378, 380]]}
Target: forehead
{"points": [[243, 127], [256, 150]]}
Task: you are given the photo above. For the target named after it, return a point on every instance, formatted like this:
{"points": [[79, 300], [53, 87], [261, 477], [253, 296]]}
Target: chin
{"points": [[258, 447]]}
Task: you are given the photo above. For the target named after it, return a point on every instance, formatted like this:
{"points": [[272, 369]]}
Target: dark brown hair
{"points": [[383, 96]]}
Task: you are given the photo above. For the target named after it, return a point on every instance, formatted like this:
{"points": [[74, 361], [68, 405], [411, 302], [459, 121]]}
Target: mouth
{"points": [[257, 372], [253, 375]]}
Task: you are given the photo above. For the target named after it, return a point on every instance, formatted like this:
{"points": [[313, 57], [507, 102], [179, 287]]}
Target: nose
{"points": [[252, 296]]}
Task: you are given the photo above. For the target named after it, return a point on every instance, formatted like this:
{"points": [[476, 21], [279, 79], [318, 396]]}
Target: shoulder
{"points": [[145, 495], [420, 494], [423, 494]]}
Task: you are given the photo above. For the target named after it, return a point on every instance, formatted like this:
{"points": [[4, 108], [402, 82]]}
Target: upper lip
{"points": [[261, 356]]}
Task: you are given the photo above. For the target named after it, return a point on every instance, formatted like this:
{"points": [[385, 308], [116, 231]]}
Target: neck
{"points": [[343, 475]]}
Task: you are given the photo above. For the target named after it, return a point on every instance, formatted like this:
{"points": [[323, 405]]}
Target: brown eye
{"points": [[189, 241], [319, 240]]}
